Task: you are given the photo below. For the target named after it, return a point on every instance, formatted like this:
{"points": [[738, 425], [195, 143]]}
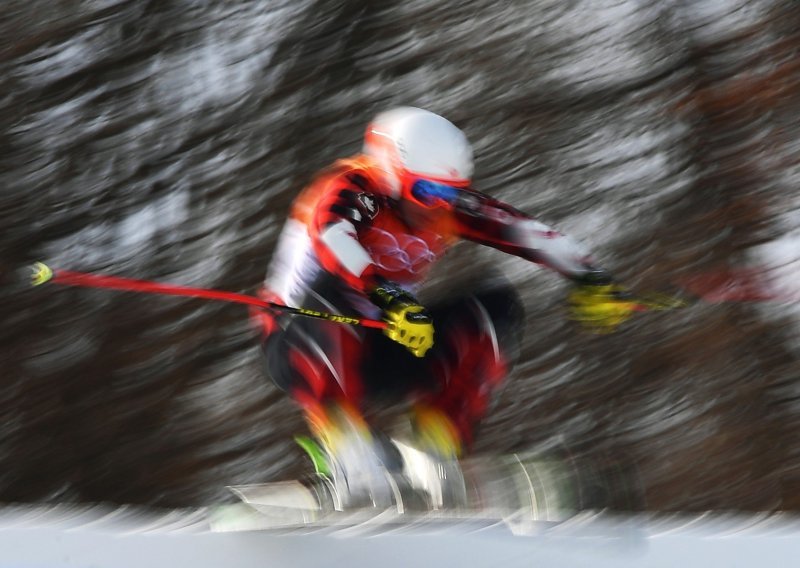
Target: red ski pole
{"points": [[43, 273], [736, 285]]}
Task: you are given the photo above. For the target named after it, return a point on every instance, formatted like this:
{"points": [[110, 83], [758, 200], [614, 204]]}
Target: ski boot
{"points": [[356, 464], [431, 460]]}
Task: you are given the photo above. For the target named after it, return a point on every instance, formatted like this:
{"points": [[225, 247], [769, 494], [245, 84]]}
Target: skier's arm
{"points": [[595, 300], [485, 220], [336, 242], [335, 237]]}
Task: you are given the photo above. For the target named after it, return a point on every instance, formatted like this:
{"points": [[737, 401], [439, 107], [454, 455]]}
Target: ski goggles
{"points": [[432, 194]]}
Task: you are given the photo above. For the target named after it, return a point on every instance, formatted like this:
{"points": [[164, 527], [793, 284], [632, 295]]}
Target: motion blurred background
{"points": [[166, 139]]}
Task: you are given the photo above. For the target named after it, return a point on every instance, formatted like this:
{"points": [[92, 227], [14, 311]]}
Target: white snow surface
{"points": [[129, 538]]}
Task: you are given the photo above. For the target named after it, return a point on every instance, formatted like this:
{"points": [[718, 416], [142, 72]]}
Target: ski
{"points": [[511, 489]]}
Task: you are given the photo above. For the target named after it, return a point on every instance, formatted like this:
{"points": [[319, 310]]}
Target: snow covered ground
{"points": [[130, 538]]}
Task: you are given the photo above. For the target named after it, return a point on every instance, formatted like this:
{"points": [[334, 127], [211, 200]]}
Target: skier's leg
{"points": [[319, 365], [477, 344]]}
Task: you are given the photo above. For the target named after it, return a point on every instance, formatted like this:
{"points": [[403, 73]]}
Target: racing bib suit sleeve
{"points": [[334, 230], [482, 219]]}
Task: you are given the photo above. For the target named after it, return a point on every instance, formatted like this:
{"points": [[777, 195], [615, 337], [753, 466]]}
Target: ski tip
{"points": [[40, 274]]}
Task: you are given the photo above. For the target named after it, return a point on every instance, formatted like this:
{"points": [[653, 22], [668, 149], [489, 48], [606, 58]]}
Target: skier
{"points": [[360, 240]]}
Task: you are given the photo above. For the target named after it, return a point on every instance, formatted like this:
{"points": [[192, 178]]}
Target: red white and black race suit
{"points": [[342, 237]]}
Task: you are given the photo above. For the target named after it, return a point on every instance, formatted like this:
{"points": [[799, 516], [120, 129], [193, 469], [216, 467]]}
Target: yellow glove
{"points": [[410, 324], [601, 307]]}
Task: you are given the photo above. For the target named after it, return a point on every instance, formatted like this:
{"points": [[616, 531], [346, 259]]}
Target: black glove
{"points": [[410, 324]]}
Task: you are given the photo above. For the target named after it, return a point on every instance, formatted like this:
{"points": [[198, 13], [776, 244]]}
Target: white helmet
{"points": [[411, 144]]}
